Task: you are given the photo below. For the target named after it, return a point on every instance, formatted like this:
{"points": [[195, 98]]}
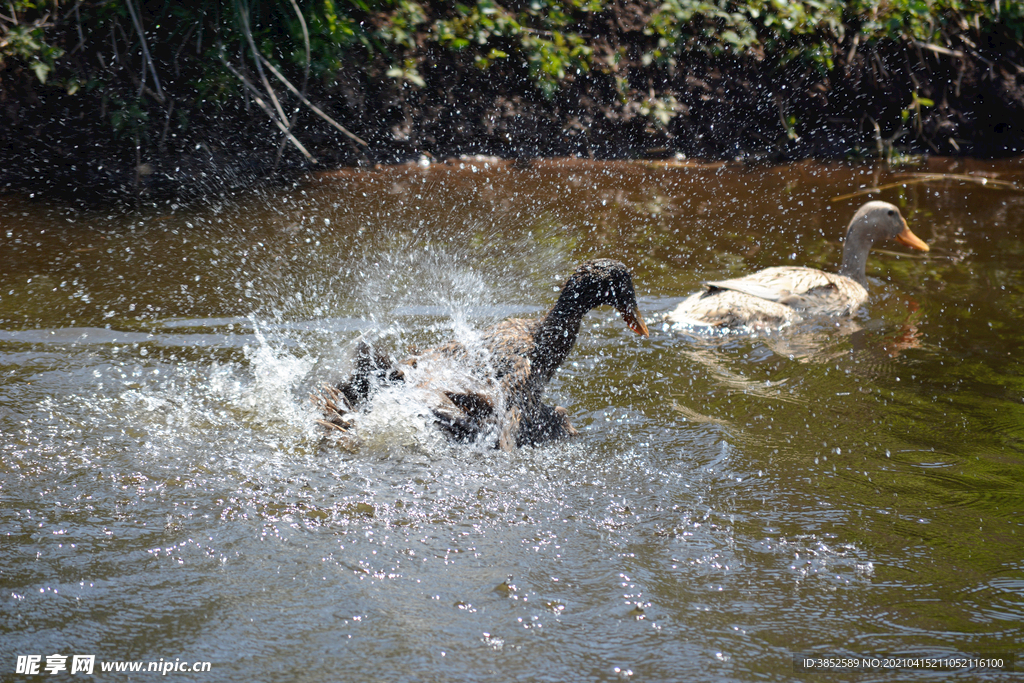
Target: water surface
{"points": [[730, 502]]}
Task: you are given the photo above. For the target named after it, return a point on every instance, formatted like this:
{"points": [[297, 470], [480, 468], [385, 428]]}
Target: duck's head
{"points": [[604, 282], [874, 222], [882, 220]]}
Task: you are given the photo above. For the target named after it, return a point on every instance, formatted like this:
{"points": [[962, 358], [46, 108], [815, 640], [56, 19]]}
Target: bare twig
{"points": [[910, 69], [243, 13], [305, 76], [956, 54], [988, 62], [167, 124], [141, 83], [853, 48], [113, 44], [919, 178], [184, 41], [790, 131], [305, 38], [78, 25], [309, 104], [138, 169], [882, 71], [255, 93], [137, 21], [939, 49], [885, 145]]}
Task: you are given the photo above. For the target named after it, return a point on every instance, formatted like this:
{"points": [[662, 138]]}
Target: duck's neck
{"points": [[557, 334], [855, 256]]}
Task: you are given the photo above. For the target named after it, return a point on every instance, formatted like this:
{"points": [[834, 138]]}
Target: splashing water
{"points": [[166, 489]]}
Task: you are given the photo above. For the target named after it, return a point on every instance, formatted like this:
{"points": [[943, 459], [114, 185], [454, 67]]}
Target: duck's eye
{"points": [[891, 212]]}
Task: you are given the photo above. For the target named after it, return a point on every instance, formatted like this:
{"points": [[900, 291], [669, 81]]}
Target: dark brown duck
{"points": [[521, 358]]}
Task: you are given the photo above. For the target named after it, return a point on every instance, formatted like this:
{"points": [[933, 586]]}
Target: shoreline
{"points": [[910, 171], [169, 118]]}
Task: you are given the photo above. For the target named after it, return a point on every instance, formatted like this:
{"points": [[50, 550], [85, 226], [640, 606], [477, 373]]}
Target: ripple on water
{"points": [[728, 503]]}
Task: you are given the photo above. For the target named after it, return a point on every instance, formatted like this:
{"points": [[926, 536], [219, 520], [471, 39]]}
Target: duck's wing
{"points": [[512, 344], [778, 283], [448, 350], [514, 402], [752, 288], [519, 391], [809, 290], [465, 414], [334, 407], [473, 403], [371, 367], [770, 298]]}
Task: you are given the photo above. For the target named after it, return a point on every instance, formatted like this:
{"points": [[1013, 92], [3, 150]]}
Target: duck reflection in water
{"points": [[502, 383]]}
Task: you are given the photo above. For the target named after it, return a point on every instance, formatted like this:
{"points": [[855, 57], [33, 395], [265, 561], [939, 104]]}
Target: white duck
{"points": [[779, 295]]}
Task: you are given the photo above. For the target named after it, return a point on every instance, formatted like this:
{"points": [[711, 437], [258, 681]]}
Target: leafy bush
{"points": [[552, 41], [24, 38]]}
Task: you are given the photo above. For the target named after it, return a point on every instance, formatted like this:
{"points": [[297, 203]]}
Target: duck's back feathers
{"points": [[510, 338], [803, 289], [770, 298]]}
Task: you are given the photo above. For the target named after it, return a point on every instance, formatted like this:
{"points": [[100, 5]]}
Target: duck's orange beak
{"points": [[635, 322], [911, 240]]}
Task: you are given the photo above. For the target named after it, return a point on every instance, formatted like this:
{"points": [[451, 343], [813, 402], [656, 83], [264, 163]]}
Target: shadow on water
{"points": [[731, 501]]}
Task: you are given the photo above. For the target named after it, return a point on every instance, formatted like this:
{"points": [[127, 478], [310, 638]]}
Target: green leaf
{"points": [[41, 70]]}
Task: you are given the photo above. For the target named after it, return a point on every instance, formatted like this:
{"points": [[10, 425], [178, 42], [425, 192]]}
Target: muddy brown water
{"points": [[730, 503]]}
